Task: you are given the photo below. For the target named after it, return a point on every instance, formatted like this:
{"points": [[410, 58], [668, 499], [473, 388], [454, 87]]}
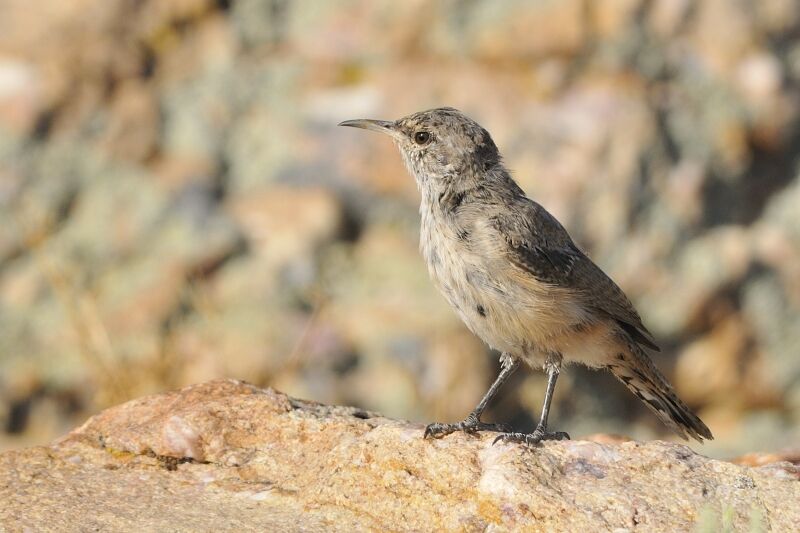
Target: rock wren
{"points": [[514, 276]]}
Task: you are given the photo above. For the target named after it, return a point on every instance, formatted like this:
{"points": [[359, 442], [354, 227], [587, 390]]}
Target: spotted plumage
{"points": [[515, 277]]}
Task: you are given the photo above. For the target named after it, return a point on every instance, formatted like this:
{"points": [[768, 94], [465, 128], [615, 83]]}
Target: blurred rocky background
{"points": [[177, 204]]}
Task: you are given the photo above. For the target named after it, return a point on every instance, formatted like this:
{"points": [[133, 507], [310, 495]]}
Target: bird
{"points": [[513, 274]]}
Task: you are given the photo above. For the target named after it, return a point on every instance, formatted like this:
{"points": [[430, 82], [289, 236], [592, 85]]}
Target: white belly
{"points": [[497, 301]]}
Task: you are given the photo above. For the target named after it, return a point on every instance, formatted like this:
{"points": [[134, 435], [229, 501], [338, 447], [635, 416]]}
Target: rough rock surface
{"points": [[225, 455]]}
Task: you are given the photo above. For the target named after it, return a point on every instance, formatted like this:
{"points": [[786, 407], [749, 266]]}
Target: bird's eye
{"points": [[422, 137]]}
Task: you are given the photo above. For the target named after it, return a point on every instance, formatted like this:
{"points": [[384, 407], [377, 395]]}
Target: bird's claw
{"points": [[538, 435], [471, 426]]}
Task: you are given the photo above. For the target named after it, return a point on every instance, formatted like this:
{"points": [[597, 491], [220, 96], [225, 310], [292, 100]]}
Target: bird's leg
{"points": [[473, 423], [540, 433]]}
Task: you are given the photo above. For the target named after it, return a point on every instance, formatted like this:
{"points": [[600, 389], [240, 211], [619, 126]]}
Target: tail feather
{"points": [[637, 372]]}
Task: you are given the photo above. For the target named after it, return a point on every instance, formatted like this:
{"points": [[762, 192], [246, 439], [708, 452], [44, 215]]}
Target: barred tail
{"points": [[637, 372]]}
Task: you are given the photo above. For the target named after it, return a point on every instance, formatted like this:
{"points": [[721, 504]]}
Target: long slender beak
{"points": [[381, 126]]}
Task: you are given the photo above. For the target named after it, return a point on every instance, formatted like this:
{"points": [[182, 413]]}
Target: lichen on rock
{"points": [[225, 455]]}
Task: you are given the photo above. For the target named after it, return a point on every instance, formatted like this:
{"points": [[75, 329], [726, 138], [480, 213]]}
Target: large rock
{"points": [[225, 456]]}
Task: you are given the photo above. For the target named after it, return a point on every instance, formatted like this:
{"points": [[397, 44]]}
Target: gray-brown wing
{"points": [[538, 243]]}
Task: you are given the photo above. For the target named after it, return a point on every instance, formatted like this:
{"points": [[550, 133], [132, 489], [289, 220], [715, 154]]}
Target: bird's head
{"points": [[441, 147]]}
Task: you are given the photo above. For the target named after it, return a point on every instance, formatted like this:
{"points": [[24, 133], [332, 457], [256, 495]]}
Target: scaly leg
{"points": [[540, 433], [472, 423]]}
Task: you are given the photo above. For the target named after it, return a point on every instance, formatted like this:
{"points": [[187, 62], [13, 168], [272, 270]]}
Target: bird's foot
{"points": [[470, 425], [539, 434]]}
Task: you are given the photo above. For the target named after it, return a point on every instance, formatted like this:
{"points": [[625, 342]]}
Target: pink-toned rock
{"points": [[225, 455]]}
